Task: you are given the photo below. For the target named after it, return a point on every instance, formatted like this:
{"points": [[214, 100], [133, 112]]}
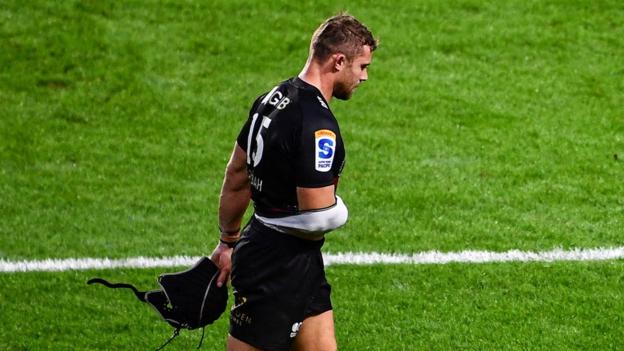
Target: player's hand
{"points": [[222, 257]]}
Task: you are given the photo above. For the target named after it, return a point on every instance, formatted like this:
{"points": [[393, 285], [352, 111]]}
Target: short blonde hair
{"points": [[342, 33]]}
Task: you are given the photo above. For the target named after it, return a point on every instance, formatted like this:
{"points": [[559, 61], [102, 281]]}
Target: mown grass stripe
{"points": [[356, 258]]}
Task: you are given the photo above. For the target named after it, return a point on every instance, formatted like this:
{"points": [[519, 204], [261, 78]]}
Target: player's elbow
{"points": [[338, 216], [326, 220], [319, 222]]}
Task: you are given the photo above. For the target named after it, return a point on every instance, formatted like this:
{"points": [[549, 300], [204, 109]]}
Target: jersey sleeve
{"points": [[241, 140], [242, 135], [316, 152]]}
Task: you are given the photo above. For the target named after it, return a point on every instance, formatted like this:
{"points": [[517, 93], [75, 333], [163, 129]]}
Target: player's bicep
{"points": [[236, 171], [316, 198]]}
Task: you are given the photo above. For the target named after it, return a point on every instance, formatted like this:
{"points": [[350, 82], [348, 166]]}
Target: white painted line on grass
{"points": [[51, 265], [360, 258], [471, 256]]}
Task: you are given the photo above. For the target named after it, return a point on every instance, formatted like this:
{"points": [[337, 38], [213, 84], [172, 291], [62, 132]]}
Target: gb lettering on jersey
{"points": [[325, 141]]}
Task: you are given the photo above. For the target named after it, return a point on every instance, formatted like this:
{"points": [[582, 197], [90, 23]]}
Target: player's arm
{"points": [[316, 198], [233, 202], [320, 211], [235, 195]]}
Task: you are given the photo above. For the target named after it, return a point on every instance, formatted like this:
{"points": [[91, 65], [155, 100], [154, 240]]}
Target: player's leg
{"points": [[233, 344], [316, 334]]}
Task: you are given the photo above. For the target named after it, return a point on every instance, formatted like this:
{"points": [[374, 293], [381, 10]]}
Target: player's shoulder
{"points": [[297, 92], [312, 104], [281, 98], [297, 99], [308, 94]]}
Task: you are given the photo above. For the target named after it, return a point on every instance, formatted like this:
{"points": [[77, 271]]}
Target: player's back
{"points": [[292, 140]]}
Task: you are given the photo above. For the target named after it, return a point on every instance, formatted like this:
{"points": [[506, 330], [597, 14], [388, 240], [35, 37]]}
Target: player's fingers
{"points": [[226, 267], [216, 256], [223, 276]]}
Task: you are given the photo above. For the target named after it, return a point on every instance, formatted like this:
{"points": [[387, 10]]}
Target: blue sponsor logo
{"points": [[326, 148]]}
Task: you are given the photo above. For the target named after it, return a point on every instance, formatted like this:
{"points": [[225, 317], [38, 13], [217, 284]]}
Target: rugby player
{"points": [[287, 160]]}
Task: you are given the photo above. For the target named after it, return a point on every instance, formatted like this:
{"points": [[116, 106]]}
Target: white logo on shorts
{"points": [[295, 329]]}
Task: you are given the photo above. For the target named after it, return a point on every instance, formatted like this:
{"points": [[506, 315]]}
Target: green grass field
{"points": [[484, 125]]}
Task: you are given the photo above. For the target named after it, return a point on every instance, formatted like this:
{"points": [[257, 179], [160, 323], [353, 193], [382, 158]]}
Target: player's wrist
{"points": [[229, 237], [229, 232], [228, 244]]}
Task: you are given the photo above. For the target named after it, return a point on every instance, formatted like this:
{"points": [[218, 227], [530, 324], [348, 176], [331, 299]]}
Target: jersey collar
{"points": [[300, 83]]}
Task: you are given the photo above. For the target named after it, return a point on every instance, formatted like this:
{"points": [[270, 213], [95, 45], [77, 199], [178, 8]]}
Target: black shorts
{"points": [[278, 281]]}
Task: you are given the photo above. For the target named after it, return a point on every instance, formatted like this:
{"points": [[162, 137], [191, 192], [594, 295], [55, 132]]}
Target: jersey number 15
{"points": [[255, 154]]}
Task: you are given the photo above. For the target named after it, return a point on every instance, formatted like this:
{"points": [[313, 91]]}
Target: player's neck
{"points": [[315, 75]]}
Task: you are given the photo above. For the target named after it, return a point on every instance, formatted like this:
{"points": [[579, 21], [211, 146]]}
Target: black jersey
{"points": [[292, 140]]}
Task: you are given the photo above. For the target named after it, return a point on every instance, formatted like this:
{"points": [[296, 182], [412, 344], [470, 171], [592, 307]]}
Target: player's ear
{"points": [[340, 61]]}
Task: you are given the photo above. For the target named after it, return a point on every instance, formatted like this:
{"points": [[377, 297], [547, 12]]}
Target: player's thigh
{"points": [[233, 344], [316, 334]]}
